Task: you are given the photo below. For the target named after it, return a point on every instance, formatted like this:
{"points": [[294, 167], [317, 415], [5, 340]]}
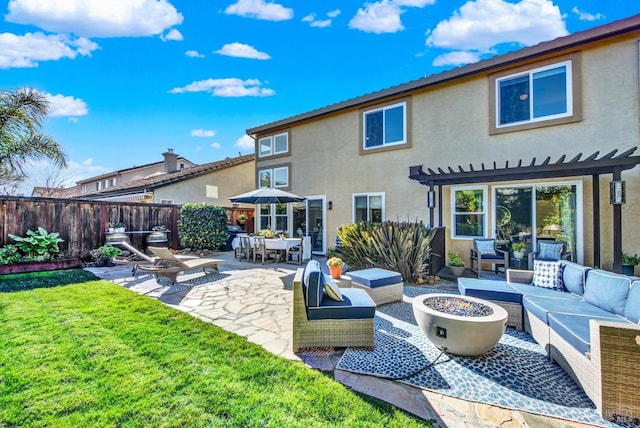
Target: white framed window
{"points": [[274, 217], [384, 126], [469, 212], [274, 177], [540, 94], [368, 207], [113, 181], [273, 144]]}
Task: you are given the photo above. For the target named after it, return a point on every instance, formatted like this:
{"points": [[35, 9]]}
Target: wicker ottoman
{"points": [[384, 286]]}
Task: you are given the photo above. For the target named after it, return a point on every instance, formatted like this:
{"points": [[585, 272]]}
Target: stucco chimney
{"points": [[170, 161]]}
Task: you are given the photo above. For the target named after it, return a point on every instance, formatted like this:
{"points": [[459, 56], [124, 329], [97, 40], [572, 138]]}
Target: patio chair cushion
{"points": [[574, 276], [550, 250], [313, 284], [575, 330], [547, 274], [375, 277], [532, 290], [356, 304], [541, 307], [489, 290], [331, 288], [632, 309], [607, 290], [487, 247]]}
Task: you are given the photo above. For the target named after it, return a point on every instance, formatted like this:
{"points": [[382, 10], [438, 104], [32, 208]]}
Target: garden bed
{"points": [[40, 266]]}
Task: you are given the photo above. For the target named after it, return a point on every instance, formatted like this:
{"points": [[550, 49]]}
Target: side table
{"points": [[343, 282]]}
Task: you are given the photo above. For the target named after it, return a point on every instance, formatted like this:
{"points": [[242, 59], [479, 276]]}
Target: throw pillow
{"points": [[486, 246], [550, 250], [547, 274], [332, 289]]}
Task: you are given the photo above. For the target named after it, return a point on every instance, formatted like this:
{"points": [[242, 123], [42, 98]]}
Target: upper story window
{"points": [[468, 212], [384, 126], [528, 97], [273, 144], [368, 207], [274, 177]]}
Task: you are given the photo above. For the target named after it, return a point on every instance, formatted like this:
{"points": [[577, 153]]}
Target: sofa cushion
{"points": [[489, 290], [632, 309], [549, 250], [532, 290], [574, 329], [547, 274], [607, 290], [541, 307], [357, 304], [375, 277], [574, 276], [331, 288], [486, 247], [313, 284]]}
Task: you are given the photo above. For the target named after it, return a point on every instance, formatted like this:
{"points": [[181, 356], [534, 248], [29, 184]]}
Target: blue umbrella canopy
{"points": [[266, 195]]}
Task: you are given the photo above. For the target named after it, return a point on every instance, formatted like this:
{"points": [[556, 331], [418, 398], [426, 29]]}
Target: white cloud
{"points": [[334, 13], [482, 24], [32, 48], [260, 9], [229, 87], [383, 16], [96, 18], [380, 17], [245, 143], [194, 54], [241, 50], [311, 18], [585, 16], [173, 35], [216, 146], [456, 58], [202, 133], [60, 105]]}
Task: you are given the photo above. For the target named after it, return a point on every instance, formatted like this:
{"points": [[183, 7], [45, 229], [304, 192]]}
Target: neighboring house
{"points": [[486, 150], [55, 192], [171, 163], [212, 183]]}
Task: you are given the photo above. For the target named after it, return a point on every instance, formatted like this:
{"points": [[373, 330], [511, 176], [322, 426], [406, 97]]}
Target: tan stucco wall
{"points": [[230, 181], [449, 126]]}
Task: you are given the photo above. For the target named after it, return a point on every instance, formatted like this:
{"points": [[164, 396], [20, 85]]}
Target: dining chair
{"points": [[296, 250], [245, 248], [260, 249]]}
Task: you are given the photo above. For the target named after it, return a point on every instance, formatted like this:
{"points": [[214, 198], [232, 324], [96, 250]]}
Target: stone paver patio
{"points": [[255, 301]]}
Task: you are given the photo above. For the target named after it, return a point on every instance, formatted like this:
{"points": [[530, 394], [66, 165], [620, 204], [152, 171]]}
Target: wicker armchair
{"points": [[326, 332]]}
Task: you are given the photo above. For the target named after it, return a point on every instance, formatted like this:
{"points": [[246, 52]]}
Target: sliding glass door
{"points": [[529, 213], [309, 220]]}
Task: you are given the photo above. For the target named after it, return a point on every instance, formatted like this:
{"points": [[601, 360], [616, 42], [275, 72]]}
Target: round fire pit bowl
{"points": [[460, 325]]}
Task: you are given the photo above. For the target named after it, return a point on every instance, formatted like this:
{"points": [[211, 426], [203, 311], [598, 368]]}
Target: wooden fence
{"points": [[82, 223]]}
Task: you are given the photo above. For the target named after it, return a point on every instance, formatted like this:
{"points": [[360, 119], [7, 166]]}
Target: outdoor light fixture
{"points": [[329, 205], [431, 199], [617, 195]]}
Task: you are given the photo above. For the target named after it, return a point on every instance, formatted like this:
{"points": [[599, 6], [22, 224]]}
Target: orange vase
{"points": [[335, 271]]}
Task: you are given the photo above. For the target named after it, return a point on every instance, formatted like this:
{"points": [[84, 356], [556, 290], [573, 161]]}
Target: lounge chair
{"points": [[136, 258], [169, 265]]}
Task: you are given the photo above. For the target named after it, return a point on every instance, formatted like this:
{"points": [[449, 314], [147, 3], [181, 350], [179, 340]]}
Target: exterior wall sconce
{"points": [[330, 205], [431, 199], [617, 192]]}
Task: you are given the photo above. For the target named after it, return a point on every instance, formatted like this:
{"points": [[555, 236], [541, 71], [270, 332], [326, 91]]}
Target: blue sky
{"points": [[128, 79]]}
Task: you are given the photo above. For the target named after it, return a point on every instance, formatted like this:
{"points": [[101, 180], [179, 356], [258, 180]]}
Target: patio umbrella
{"points": [[266, 195]]}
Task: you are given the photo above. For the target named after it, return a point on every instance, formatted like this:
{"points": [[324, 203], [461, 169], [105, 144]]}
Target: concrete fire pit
{"points": [[460, 325]]}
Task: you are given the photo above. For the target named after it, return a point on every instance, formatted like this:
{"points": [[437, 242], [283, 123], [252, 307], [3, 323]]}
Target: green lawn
{"points": [[97, 354]]}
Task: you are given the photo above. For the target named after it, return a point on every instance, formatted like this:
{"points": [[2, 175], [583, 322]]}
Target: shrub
{"points": [[202, 226], [403, 247], [9, 254], [38, 246]]}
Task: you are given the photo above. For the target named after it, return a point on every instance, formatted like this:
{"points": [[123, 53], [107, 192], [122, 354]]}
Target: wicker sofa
{"points": [[591, 328], [319, 321]]}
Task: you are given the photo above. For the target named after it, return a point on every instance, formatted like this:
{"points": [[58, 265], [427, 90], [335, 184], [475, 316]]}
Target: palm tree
{"points": [[21, 115]]}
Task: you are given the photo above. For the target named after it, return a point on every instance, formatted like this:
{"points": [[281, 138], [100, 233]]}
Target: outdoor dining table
{"points": [[281, 245]]}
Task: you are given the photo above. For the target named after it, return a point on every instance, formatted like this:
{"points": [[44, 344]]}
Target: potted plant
{"points": [[104, 255], [119, 227], [335, 266], [242, 218], [629, 263], [455, 264], [267, 233], [519, 249]]}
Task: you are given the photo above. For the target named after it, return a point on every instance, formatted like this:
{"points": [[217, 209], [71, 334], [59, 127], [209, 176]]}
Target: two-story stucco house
{"points": [[520, 147]]}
